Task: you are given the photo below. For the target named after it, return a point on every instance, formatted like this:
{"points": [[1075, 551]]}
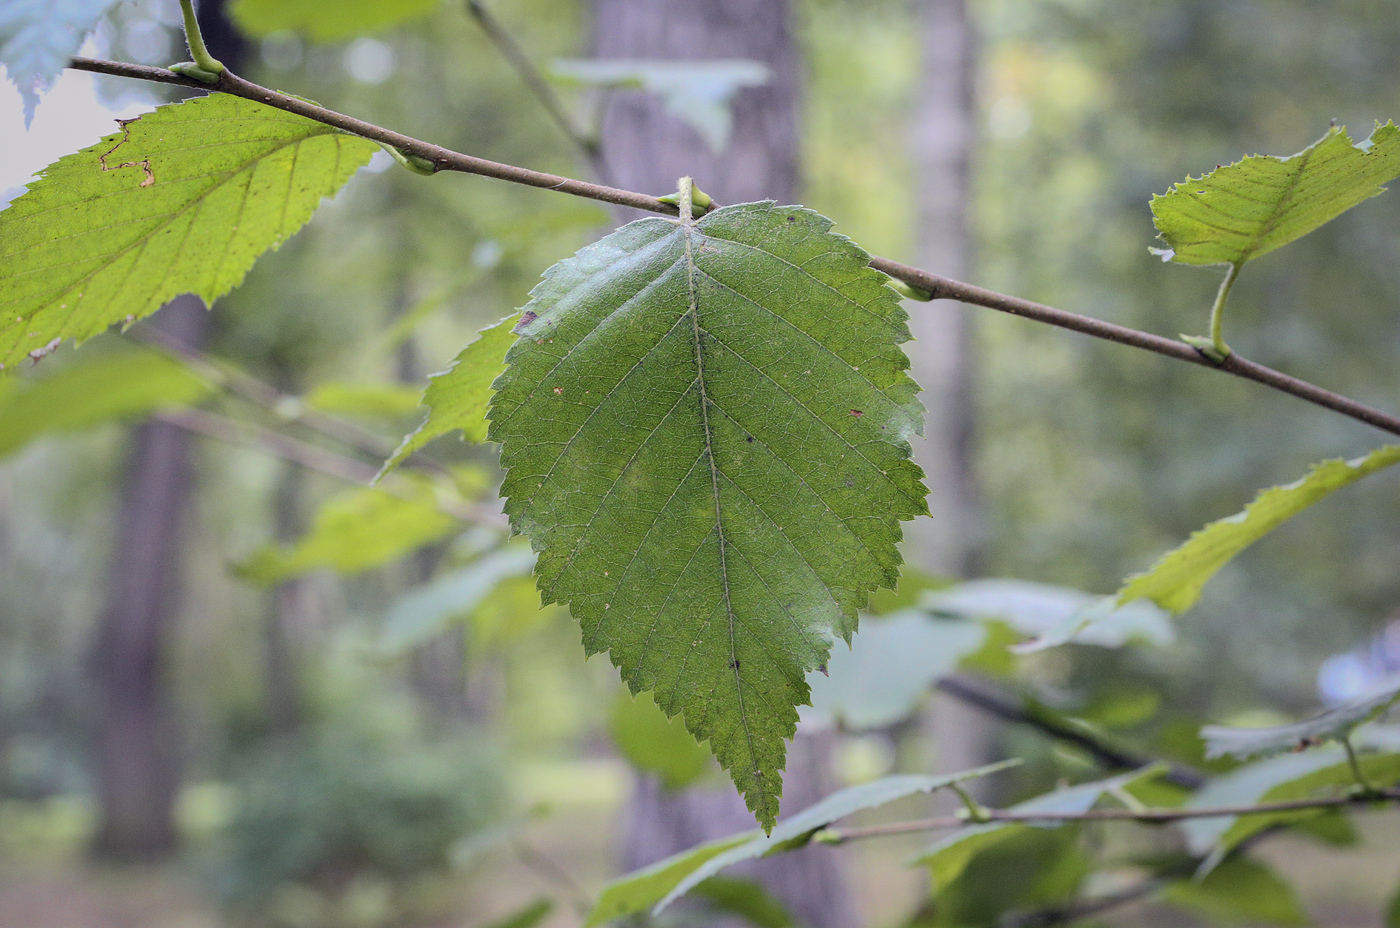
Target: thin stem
{"points": [[1217, 312], [976, 812], [529, 73], [939, 287], [1367, 788], [195, 39], [1149, 816]]}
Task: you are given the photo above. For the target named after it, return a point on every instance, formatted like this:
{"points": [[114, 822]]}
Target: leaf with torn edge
{"points": [[1175, 582], [1248, 209], [458, 397], [661, 884], [1335, 724], [182, 200], [705, 426]]}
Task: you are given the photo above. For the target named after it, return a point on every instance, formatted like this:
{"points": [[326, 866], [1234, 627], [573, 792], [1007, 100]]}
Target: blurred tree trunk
{"points": [[137, 758], [289, 606], [648, 149], [949, 543]]}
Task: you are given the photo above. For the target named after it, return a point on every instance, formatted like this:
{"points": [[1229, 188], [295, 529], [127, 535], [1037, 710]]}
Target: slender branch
{"points": [[309, 456], [1147, 816], [444, 159], [522, 64], [975, 693]]}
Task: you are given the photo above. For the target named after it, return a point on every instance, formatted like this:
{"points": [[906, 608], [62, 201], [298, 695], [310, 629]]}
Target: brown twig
{"points": [[444, 159]]}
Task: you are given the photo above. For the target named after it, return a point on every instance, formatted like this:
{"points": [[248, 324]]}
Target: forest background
{"points": [[1086, 460]]}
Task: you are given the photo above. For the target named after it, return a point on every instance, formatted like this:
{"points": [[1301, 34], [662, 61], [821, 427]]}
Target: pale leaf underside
{"points": [[705, 427]]}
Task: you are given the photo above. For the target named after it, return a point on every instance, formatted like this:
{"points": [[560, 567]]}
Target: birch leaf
{"points": [[1175, 582], [1237, 213], [182, 200], [705, 426]]}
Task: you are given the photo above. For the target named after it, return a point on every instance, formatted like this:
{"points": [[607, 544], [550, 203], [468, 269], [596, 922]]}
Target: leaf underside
{"points": [[705, 427], [1247, 209], [37, 37], [1175, 582], [182, 200], [1334, 724]]}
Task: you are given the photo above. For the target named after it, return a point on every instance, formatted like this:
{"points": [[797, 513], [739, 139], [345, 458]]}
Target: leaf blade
{"points": [[1247, 209], [182, 200], [1176, 580], [326, 22], [1333, 725], [663, 497]]}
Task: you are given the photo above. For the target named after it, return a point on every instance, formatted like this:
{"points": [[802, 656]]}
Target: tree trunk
{"points": [[648, 149], [947, 544], [137, 759]]}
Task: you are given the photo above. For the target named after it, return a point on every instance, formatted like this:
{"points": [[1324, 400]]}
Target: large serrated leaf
{"points": [[37, 37], [1248, 209], [1333, 725], [1176, 580], [705, 427], [657, 886], [182, 200], [326, 22], [457, 399]]}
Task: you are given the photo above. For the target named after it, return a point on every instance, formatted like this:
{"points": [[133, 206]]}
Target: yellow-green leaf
{"points": [[326, 22]]}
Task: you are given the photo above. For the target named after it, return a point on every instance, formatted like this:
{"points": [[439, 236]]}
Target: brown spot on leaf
{"points": [[857, 413], [526, 318]]}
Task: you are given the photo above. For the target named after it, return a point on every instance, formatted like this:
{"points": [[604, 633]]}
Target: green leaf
{"points": [[37, 37], [527, 917], [376, 400], [662, 883], [1175, 582], [88, 393], [700, 93], [1335, 724], [1237, 213], [326, 22], [355, 532], [889, 667], [423, 613], [1277, 779], [745, 898], [1239, 890], [182, 200], [655, 744], [705, 428], [457, 398], [948, 857]]}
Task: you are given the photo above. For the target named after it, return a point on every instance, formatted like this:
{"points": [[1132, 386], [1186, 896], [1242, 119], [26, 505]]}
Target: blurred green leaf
{"points": [[1277, 779], [1175, 581], [87, 393], [326, 22], [1053, 615], [527, 917], [457, 398], [38, 37], [745, 898], [655, 744], [182, 200], [659, 885], [913, 584], [698, 92], [949, 856], [1237, 213], [1335, 724], [889, 667], [423, 613], [354, 532], [364, 399], [714, 476], [1239, 890], [1392, 915]]}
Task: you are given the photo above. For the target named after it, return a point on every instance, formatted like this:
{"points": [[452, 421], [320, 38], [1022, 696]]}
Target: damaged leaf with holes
{"points": [[705, 427], [182, 200]]}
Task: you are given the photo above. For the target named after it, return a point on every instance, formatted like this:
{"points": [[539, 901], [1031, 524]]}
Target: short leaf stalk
{"points": [[1214, 347], [974, 811], [205, 67], [1364, 787]]}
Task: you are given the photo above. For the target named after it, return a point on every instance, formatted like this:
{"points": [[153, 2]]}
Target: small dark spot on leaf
{"points": [[749, 439], [857, 413], [526, 318], [734, 665], [792, 219], [822, 668]]}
